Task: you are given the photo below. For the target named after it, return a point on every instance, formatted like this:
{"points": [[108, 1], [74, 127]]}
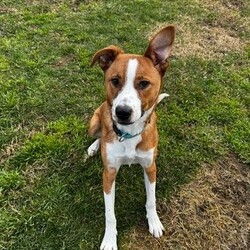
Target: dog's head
{"points": [[133, 82]]}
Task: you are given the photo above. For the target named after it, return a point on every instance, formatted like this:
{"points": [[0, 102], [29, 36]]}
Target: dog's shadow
{"points": [[83, 208], [64, 205], [129, 201]]}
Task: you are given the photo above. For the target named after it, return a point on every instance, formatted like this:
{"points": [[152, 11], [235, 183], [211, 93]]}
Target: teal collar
{"points": [[124, 135]]}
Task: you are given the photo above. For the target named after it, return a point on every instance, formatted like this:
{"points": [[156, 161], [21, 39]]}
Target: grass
{"points": [[50, 195], [204, 212]]}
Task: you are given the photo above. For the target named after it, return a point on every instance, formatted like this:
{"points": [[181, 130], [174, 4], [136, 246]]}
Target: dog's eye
{"points": [[115, 81], [144, 84]]}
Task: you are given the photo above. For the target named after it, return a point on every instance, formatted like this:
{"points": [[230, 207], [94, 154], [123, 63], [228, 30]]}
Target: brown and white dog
{"points": [[125, 124]]}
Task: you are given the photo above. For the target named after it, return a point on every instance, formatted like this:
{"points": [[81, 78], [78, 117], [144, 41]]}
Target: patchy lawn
{"points": [[51, 196], [210, 212]]}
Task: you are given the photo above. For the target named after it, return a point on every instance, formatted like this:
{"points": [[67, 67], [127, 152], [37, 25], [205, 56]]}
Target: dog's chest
{"points": [[125, 153]]}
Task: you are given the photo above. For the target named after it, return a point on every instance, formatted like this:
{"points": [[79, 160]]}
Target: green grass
{"points": [[50, 197]]}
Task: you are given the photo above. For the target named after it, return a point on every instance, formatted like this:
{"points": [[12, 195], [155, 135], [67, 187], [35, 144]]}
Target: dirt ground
{"points": [[210, 212]]}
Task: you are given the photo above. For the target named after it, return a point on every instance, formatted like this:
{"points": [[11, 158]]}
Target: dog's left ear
{"points": [[159, 48], [106, 56]]}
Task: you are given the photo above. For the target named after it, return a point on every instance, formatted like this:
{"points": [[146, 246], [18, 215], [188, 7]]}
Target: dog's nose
{"points": [[123, 113]]}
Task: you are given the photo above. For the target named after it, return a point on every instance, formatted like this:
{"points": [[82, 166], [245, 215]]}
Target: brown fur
{"points": [[151, 67]]}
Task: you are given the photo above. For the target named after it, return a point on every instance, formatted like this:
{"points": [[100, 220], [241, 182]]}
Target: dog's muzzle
{"points": [[123, 114]]}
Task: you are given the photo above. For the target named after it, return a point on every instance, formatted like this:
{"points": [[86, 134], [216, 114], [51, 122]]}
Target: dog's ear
{"points": [[106, 56], [159, 48]]}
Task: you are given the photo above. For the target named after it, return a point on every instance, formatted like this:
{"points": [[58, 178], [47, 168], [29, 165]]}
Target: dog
{"points": [[125, 124]]}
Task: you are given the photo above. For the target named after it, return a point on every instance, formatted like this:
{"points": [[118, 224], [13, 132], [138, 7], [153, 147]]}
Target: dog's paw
{"points": [[109, 241], [155, 226], [94, 147]]}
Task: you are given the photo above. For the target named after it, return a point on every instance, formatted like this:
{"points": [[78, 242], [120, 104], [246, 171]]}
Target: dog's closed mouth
{"points": [[125, 123]]}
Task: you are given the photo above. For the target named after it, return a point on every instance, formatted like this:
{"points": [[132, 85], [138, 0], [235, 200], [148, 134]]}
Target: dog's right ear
{"points": [[106, 56]]}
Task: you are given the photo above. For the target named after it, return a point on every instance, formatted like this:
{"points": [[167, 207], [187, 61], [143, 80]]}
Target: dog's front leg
{"points": [[109, 240], [154, 223]]}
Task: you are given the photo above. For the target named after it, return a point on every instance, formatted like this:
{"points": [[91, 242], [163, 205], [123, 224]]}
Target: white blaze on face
{"points": [[128, 95]]}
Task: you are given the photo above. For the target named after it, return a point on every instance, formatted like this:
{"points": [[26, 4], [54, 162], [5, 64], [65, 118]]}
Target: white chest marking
{"points": [[125, 153]]}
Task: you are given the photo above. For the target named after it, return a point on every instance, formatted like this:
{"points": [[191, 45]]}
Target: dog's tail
{"points": [[161, 97]]}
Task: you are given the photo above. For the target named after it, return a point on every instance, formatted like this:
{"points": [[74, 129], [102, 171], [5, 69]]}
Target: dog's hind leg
{"points": [[95, 124], [95, 131]]}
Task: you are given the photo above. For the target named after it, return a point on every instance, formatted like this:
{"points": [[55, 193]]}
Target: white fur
{"points": [[128, 95], [139, 125], [154, 223], [161, 97], [94, 147], [125, 153], [109, 239]]}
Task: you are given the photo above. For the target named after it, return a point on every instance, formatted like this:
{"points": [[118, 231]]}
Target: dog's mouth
{"points": [[124, 123], [126, 120]]}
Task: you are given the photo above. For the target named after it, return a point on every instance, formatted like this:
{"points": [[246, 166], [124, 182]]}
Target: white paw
{"points": [[109, 241], [94, 147], [155, 226]]}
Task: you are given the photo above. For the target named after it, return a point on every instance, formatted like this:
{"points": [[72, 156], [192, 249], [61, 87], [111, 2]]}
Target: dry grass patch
{"points": [[211, 212], [32, 173], [229, 7], [65, 60], [9, 150], [206, 42], [4, 10], [215, 34], [15, 145], [227, 14]]}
